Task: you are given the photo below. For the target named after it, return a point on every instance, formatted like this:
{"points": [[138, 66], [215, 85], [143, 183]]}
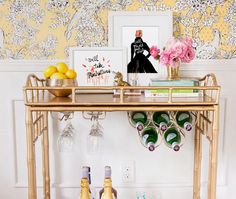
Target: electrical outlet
{"points": [[128, 171]]}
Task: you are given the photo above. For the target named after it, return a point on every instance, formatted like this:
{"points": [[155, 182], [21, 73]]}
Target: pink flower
{"points": [[189, 56], [180, 48], [188, 41], [174, 57], [154, 51], [170, 43], [165, 57], [176, 50], [173, 53]]}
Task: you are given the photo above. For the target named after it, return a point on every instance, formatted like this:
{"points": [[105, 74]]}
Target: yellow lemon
{"points": [[49, 71], [62, 67], [58, 76], [71, 74]]}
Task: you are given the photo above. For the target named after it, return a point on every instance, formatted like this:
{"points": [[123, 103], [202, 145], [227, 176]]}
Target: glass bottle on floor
{"points": [[108, 192], [85, 192]]}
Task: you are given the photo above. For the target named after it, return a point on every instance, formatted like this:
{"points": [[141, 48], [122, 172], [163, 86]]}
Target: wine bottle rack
{"points": [[172, 123], [39, 102]]}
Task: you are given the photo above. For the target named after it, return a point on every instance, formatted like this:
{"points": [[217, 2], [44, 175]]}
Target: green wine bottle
{"points": [[150, 137], [173, 138], [184, 120], [161, 119], [139, 119]]}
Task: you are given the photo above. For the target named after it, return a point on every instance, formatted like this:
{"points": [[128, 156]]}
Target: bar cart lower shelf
{"points": [[39, 102]]}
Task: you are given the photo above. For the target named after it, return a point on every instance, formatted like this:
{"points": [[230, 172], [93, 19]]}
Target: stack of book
{"points": [[176, 92]]}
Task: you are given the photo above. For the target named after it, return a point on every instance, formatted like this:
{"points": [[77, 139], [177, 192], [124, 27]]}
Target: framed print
{"points": [[96, 66], [138, 31]]}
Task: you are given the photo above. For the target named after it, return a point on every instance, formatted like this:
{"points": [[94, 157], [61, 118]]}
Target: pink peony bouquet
{"points": [[155, 52], [176, 50]]}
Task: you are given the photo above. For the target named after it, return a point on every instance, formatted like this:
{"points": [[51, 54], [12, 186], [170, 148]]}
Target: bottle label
{"points": [[145, 137], [170, 136], [183, 116], [139, 117], [165, 116]]}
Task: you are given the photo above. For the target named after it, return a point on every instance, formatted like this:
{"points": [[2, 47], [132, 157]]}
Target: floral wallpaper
{"points": [[34, 29]]}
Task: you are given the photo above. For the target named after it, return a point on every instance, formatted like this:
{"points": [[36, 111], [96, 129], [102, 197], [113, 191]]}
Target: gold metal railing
{"points": [[35, 91]]}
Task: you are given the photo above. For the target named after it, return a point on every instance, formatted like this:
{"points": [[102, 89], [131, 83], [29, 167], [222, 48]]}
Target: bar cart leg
{"points": [[32, 191], [197, 161], [45, 157], [213, 156]]}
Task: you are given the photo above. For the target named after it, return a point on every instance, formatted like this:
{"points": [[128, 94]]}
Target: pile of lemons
{"points": [[59, 71]]}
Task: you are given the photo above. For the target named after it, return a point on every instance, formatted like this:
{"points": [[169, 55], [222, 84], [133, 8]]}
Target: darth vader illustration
{"points": [[139, 62]]}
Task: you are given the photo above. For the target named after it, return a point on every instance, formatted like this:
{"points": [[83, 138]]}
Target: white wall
{"points": [[162, 174]]}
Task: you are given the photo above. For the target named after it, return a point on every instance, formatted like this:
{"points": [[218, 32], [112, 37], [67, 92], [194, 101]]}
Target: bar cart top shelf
{"points": [[37, 94]]}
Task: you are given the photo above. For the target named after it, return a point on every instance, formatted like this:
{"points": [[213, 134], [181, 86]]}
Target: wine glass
{"points": [[95, 137], [65, 141]]}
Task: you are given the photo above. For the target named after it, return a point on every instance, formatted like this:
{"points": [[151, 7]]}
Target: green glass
{"points": [[150, 137], [173, 138], [184, 120], [139, 117], [161, 119]]}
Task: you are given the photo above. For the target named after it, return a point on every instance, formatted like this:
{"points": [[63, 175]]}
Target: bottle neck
{"points": [[151, 146], [85, 172], [84, 183], [188, 126], [107, 183], [84, 193], [163, 126], [139, 126], [107, 172], [175, 146]]}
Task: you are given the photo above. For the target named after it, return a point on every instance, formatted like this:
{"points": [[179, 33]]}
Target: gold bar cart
{"points": [[39, 102]]}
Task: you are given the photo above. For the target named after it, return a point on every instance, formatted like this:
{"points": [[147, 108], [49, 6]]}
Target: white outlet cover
{"points": [[128, 171]]}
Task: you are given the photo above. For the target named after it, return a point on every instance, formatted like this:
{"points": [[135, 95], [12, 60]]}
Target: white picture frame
{"points": [[95, 66], [157, 28]]}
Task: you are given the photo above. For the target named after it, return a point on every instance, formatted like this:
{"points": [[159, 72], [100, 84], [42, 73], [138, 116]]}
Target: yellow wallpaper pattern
{"points": [[34, 29]]}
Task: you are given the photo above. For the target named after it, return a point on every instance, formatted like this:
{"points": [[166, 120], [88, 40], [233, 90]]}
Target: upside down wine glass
{"points": [[95, 138], [65, 141]]}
